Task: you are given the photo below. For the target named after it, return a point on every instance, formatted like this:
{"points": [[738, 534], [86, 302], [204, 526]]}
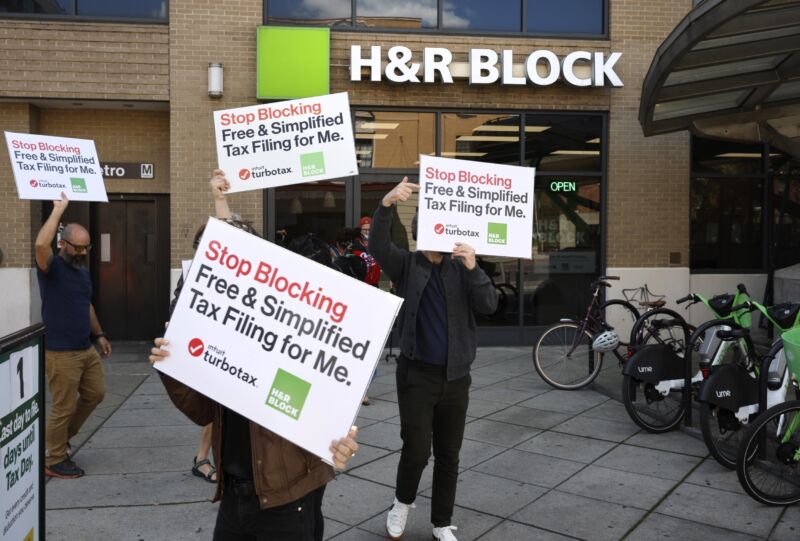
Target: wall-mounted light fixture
{"points": [[215, 80]]}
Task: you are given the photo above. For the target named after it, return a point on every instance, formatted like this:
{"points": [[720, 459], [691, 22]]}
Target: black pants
{"points": [[431, 408], [241, 519]]}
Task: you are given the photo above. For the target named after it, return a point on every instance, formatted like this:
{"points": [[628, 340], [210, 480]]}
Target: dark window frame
{"points": [[73, 17], [439, 30]]}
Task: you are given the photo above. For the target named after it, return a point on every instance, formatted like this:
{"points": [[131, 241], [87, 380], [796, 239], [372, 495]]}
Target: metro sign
{"points": [[541, 67]]}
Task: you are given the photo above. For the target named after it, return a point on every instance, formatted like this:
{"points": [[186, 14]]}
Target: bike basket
{"points": [[791, 349], [784, 314], [722, 304]]}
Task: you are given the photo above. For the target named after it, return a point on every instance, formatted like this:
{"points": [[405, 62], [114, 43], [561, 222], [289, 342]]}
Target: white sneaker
{"points": [[445, 533], [396, 519]]}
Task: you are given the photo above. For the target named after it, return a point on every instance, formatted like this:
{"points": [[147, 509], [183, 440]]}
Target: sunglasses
{"points": [[79, 247]]}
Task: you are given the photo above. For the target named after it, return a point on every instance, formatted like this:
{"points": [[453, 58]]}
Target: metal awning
{"points": [[730, 69]]}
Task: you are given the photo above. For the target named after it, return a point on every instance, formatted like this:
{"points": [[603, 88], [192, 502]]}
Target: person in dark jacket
{"points": [[438, 344]]}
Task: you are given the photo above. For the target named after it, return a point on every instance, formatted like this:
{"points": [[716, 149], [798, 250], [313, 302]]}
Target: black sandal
{"points": [[196, 470]]}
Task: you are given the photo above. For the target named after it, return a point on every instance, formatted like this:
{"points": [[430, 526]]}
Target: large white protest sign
{"points": [[286, 342], [289, 142], [20, 441], [44, 166], [486, 205]]}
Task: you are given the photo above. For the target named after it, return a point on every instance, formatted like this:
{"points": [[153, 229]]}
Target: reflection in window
{"points": [[565, 16], [566, 249], [394, 140], [563, 143], [397, 13], [726, 223], [786, 221], [327, 13], [496, 16], [727, 158], [317, 208], [140, 9], [52, 7], [482, 138]]}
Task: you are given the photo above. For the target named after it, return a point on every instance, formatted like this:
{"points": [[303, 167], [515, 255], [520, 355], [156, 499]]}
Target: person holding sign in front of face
{"points": [[73, 366], [270, 488], [438, 344]]}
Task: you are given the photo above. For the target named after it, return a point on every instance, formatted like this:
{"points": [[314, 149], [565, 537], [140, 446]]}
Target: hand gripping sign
{"points": [[286, 342], [486, 205], [289, 142], [45, 166]]}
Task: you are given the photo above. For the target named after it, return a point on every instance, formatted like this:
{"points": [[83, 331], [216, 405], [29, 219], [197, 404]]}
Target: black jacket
{"points": [[466, 291]]}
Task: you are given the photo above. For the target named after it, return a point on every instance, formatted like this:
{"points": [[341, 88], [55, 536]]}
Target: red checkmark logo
{"points": [[34, 183], [438, 229], [196, 347], [244, 174]]}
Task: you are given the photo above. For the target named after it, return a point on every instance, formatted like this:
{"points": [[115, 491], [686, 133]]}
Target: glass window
{"points": [[724, 157], [482, 138], [386, 139], [786, 221], [781, 163], [139, 9], [563, 143], [50, 7], [394, 14], [316, 207], [725, 223], [496, 16], [328, 13], [566, 249], [565, 16]]}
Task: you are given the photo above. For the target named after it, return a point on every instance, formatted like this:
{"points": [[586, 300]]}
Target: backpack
{"points": [[372, 276], [351, 265]]}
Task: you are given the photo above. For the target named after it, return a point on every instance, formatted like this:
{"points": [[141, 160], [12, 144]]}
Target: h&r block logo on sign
{"points": [[288, 394], [78, 185], [498, 233], [312, 164]]}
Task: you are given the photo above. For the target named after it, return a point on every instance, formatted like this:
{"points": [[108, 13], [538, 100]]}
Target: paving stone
{"points": [[507, 531], [530, 468], [788, 528], [357, 534], [383, 435], [498, 433], [351, 501], [512, 367], [712, 474], [333, 528], [123, 384], [482, 408], [658, 526], [475, 452], [384, 471], [482, 377], [362, 422], [720, 508], [597, 428], [611, 410], [624, 488], [528, 382], [170, 416], [181, 522], [566, 446], [145, 459], [366, 453], [147, 401], [675, 441], [529, 417], [492, 495], [150, 436], [501, 395], [565, 401], [379, 410], [580, 517], [661, 464]]}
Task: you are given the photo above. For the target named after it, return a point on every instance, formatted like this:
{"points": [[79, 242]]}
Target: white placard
{"points": [[486, 205], [286, 342], [186, 264], [288, 142], [19, 444], [44, 166]]}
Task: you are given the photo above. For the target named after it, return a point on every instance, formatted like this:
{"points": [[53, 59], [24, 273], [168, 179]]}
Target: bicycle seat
{"points": [[653, 304], [733, 334]]}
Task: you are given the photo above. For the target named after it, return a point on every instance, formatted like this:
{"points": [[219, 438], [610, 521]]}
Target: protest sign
{"points": [[289, 142], [286, 342], [486, 205], [44, 166], [20, 444]]}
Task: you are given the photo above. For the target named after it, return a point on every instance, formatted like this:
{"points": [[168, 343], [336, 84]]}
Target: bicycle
{"points": [[768, 457], [569, 354], [658, 379], [735, 393]]}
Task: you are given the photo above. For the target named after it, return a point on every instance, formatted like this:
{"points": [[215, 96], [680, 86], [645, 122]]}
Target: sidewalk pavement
{"points": [[537, 464]]}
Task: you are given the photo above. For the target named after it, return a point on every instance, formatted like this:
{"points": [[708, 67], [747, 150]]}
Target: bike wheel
{"points": [[647, 330], [722, 433], [622, 316], [560, 368], [650, 409], [768, 461]]}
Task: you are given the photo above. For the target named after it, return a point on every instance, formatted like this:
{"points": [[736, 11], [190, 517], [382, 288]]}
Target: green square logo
{"points": [[498, 233], [288, 394], [292, 62], [78, 185], [312, 164]]}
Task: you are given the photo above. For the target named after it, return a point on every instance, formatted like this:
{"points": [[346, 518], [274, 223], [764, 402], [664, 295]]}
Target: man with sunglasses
{"points": [[73, 366]]}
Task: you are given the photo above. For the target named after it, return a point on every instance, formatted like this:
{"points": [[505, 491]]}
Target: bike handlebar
{"points": [[742, 289], [689, 297], [749, 306]]}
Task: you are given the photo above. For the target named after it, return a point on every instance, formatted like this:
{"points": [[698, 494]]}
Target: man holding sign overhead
{"points": [[438, 344]]}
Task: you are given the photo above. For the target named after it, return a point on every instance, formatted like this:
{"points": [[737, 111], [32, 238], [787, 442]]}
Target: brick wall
{"points": [[203, 31], [76, 60]]}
